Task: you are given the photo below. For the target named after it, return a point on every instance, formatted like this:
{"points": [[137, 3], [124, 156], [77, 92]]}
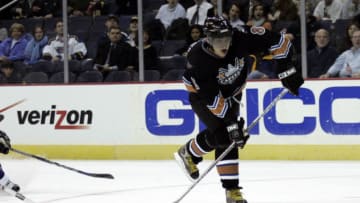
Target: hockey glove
{"points": [[291, 80], [236, 133], [4, 143]]}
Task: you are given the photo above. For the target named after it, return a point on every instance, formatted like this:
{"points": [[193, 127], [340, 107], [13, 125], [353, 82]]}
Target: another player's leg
{"points": [[5, 182], [228, 171]]}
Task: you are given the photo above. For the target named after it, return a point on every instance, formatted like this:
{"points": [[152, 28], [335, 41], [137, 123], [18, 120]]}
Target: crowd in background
{"points": [[103, 45]]}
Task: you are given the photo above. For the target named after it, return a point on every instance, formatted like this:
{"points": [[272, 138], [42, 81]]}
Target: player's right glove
{"points": [[4, 143], [236, 133], [291, 80]]}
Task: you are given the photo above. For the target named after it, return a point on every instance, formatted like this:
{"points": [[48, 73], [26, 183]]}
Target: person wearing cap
{"points": [[170, 12]]}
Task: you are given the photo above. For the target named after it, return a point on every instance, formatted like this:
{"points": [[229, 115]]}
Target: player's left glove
{"points": [[292, 80], [236, 133], [4, 143]]}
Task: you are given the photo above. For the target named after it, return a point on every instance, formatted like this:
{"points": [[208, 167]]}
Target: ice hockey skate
{"points": [[234, 196], [185, 161], [5, 183]]}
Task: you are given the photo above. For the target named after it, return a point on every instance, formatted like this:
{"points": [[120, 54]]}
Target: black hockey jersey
{"points": [[216, 79]]}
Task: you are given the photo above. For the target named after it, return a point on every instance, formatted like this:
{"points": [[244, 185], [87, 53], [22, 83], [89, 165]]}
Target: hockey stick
{"points": [[266, 110], [95, 175], [17, 195]]}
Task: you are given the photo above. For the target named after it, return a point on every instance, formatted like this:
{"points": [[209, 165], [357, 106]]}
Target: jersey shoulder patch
{"points": [[257, 30]]}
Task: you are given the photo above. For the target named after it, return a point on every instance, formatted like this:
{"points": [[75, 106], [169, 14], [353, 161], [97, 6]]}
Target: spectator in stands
{"points": [[350, 9], [114, 54], [322, 56], [96, 8], [348, 63], [77, 8], [197, 13], [132, 31], [194, 34], [8, 70], [259, 17], [38, 9], [34, 49], [346, 43], [113, 21], [3, 34], [20, 10], [151, 58], [126, 7], [234, 15], [12, 48], [169, 12], [285, 10], [328, 10], [214, 11], [54, 51]]}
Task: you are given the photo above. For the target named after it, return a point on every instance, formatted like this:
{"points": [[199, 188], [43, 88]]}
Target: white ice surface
{"points": [[164, 182]]}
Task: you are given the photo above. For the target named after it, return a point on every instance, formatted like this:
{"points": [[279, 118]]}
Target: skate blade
{"points": [[182, 166]]}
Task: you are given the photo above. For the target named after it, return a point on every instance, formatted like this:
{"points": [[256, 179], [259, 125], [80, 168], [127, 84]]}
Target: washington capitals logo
{"points": [[228, 75]]}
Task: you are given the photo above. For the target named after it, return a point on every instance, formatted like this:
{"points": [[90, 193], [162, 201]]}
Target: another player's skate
{"points": [[234, 196], [184, 159], [6, 183]]}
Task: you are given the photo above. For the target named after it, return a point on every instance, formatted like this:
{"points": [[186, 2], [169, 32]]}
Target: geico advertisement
{"points": [[326, 112]]}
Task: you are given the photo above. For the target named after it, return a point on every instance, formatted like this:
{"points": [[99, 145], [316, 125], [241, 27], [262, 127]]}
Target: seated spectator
{"points": [[346, 43], [114, 54], [3, 34], [12, 48], [96, 8], [77, 8], [11, 75], [194, 34], [322, 56], [234, 15], [39, 10], [350, 9], [151, 58], [170, 12], [34, 48], [328, 10], [113, 21], [348, 63], [54, 51], [126, 7], [259, 17], [285, 10], [133, 30], [197, 13], [20, 10], [214, 11]]}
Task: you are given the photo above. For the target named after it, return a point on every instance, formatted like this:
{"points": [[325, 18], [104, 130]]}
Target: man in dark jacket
{"points": [[114, 54]]}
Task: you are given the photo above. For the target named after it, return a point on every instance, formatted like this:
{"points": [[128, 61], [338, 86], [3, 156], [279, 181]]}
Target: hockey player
{"points": [[219, 65], [4, 179]]}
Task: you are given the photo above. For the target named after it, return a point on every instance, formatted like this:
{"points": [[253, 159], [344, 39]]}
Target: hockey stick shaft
{"points": [[256, 120], [18, 195], [95, 175]]}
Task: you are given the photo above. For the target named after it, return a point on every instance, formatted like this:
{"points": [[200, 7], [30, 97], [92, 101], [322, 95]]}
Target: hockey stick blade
{"points": [[17, 195], [233, 144], [95, 175]]}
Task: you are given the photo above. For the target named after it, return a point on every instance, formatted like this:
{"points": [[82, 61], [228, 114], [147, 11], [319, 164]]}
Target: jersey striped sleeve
{"points": [[281, 49]]}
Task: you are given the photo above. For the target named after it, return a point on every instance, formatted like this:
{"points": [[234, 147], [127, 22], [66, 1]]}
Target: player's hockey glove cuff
{"points": [[291, 80]]}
